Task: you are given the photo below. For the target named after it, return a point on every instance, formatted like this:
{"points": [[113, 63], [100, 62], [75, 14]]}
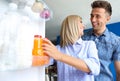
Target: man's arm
{"points": [[117, 67]]}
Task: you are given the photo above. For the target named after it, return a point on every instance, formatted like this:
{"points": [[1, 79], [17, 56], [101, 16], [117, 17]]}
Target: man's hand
{"points": [[117, 67]]}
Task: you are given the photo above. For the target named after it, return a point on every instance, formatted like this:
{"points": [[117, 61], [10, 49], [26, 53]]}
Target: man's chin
{"points": [[95, 28]]}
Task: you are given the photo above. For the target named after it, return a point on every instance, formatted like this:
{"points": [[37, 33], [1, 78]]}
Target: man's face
{"points": [[99, 18]]}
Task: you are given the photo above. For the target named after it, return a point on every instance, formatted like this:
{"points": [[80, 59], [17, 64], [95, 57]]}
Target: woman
{"points": [[77, 60]]}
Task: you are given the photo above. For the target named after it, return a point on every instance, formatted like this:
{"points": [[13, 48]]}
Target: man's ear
{"points": [[108, 18]]}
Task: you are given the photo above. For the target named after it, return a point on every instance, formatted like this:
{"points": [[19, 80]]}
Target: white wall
{"points": [[62, 8]]}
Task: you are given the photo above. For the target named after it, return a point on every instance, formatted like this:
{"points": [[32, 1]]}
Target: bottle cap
{"points": [[38, 36]]}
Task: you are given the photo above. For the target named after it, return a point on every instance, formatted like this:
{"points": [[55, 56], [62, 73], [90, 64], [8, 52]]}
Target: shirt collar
{"points": [[79, 41], [104, 33]]}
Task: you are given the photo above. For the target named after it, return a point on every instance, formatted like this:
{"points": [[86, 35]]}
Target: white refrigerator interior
{"points": [[17, 30], [31, 74]]}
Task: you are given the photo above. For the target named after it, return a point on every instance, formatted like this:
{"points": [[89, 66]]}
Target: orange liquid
{"points": [[39, 58], [37, 49]]}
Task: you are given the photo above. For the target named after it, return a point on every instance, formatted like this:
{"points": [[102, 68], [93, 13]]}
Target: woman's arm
{"points": [[52, 51]]}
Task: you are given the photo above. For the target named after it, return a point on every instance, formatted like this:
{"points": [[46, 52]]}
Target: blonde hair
{"points": [[70, 30]]}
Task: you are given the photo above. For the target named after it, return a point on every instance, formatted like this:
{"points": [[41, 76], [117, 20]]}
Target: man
{"points": [[108, 44]]}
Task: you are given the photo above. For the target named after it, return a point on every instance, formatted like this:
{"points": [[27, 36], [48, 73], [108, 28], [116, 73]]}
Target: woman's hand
{"points": [[50, 49]]}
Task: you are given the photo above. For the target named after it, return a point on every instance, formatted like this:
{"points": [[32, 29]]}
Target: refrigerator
{"points": [[17, 30]]}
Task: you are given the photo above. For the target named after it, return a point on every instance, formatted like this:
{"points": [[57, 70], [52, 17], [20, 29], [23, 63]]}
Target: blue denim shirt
{"points": [[108, 45]]}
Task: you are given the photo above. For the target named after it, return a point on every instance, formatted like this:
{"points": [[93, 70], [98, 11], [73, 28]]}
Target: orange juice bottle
{"points": [[39, 57], [37, 49]]}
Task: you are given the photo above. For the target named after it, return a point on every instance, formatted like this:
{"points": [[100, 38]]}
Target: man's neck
{"points": [[99, 32]]}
